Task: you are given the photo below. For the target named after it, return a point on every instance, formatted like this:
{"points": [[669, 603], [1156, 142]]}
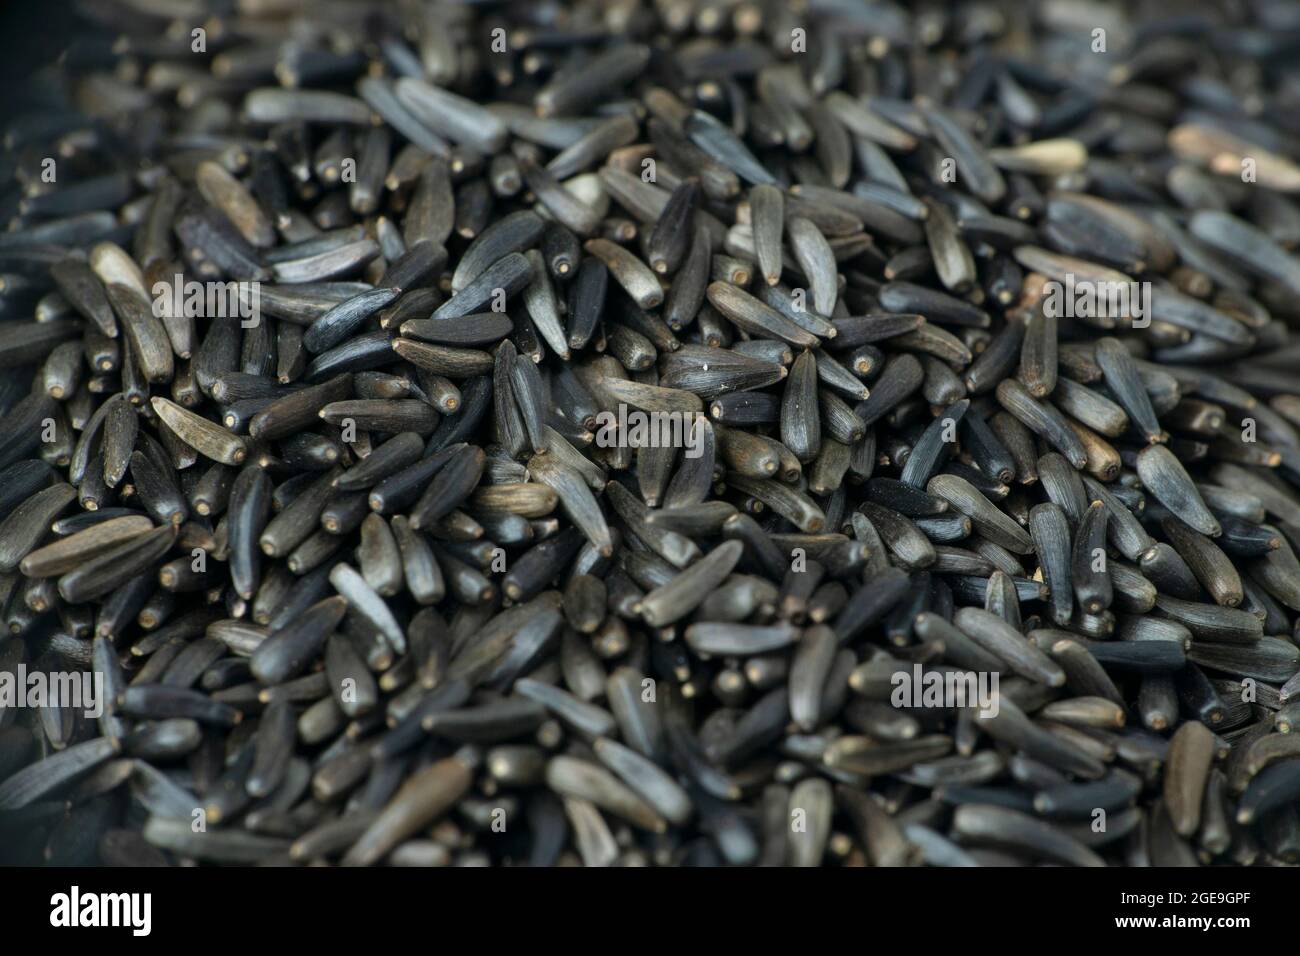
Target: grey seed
{"points": [[421, 800], [576, 499], [816, 260], [800, 417], [809, 671], [993, 524], [1164, 476], [1122, 378], [986, 182], [647, 779], [206, 437], [363, 601], [754, 316], [1051, 535], [673, 601], [450, 115], [585, 718], [631, 273], [1191, 751], [998, 638], [812, 805], [767, 210], [574, 778], [739, 639], [47, 776], [228, 194], [1010, 828]]}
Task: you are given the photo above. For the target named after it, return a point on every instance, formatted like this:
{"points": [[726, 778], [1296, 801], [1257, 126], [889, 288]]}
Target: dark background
{"points": [[32, 34]]}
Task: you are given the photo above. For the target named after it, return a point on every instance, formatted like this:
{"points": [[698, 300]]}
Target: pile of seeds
{"points": [[617, 433]]}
